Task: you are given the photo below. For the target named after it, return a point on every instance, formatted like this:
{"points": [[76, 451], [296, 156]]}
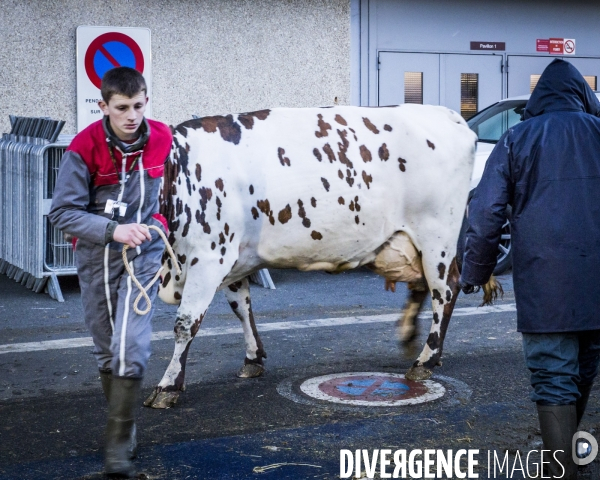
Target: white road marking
{"points": [[262, 327]]}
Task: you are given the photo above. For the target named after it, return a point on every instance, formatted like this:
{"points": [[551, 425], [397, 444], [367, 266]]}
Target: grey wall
{"points": [[449, 27], [208, 56]]}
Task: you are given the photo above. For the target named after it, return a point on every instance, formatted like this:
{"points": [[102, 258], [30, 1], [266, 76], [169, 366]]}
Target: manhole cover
{"points": [[371, 389]]}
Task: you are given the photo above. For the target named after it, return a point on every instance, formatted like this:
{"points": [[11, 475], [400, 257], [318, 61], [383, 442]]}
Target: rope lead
{"points": [[143, 290]]}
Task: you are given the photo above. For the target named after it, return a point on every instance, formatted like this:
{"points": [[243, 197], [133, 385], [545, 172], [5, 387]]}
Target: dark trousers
{"points": [[561, 362]]}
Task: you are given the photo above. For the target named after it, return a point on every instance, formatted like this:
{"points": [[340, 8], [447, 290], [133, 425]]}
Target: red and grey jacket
{"points": [[90, 176]]}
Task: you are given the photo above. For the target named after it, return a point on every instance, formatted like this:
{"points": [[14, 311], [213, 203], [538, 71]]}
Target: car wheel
{"points": [[504, 261]]}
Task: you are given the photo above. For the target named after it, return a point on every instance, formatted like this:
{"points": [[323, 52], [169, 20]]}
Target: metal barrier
{"points": [[32, 251]]}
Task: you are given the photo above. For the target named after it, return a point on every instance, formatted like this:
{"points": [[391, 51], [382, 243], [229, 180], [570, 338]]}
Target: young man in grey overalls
{"points": [[106, 192]]}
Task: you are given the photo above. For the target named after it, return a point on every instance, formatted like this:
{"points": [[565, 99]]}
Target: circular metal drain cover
{"points": [[371, 389]]}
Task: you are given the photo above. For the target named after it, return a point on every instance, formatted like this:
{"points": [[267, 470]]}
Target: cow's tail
{"points": [[491, 290]]}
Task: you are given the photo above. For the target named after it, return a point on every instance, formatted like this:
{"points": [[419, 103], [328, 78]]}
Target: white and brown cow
{"points": [[314, 189]]}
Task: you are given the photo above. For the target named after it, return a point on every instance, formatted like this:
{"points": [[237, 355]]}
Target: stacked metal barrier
{"points": [[32, 252]]}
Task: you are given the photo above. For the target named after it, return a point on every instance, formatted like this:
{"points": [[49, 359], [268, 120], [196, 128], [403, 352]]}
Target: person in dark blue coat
{"points": [[547, 168]]}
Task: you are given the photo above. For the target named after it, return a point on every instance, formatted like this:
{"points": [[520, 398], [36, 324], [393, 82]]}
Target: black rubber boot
{"points": [[105, 378], [558, 424], [124, 393], [583, 400]]}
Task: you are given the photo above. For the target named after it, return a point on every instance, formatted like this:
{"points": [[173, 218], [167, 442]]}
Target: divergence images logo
{"points": [[584, 448]]}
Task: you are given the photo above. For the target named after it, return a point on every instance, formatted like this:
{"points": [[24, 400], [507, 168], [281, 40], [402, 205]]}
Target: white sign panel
{"points": [[98, 50]]}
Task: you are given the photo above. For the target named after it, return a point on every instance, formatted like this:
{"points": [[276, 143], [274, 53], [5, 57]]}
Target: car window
{"points": [[491, 123]]}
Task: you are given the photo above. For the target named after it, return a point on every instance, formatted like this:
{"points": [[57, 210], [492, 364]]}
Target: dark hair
{"points": [[124, 81]]}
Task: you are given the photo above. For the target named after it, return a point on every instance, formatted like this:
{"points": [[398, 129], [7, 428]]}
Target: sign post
{"points": [[98, 50]]}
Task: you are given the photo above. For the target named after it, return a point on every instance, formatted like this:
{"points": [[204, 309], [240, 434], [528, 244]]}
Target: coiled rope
{"points": [[143, 290]]}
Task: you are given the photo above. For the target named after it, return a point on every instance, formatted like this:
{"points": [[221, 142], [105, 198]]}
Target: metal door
{"points": [[524, 70], [470, 83], [394, 67], [443, 79]]}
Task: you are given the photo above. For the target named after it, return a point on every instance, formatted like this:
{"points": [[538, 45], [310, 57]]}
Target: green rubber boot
{"points": [[105, 378], [558, 424], [124, 393]]}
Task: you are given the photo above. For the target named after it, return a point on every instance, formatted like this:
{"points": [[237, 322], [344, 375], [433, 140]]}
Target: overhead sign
{"points": [[556, 46], [98, 50], [488, 46], [371, 389]]}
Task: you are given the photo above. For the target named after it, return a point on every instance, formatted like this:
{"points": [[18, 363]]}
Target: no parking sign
{"points": [[98, 50]]}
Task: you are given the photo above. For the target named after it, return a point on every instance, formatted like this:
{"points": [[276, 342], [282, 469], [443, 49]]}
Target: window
{"points": [[591, 80], [469, 92], [491, 123], [413, 87]]}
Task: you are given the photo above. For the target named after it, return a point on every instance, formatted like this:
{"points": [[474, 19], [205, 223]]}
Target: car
{"points": [[490, 124]]}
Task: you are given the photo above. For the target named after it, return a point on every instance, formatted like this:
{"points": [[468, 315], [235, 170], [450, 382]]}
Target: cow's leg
{"points": [[407, 323], [187, 324], [442, 278], [238, 296], [407, 326]]}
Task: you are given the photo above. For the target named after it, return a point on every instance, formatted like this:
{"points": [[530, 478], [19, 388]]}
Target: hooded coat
{"points": [[548, 169]]}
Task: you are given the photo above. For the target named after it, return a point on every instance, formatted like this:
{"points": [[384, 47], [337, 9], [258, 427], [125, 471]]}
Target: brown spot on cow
{"points": [[341, 120], [367, 179], [186, 227], [442, 270], [255, 213], [302, 214], [251, 189], [194, 261], [181, 258], [166, 279], [283, 160], [265, 207], [223, 250], [177, 296], [229, 129], [387, 128], [219, 184], [340, 174], [213, 245], [226, 228], [317, 154], [369, 125], [341, 200], [231, 237], [329, 152], [247, 119], [285, 214], [401, 165], [325, 183], [323, 127], [435, 294], [443, 254], [384, 153], [233, 305], [313, 202], [365, 154], [351, 206], [221, 238], [198, 172], [430, 145], [316, 235], [356, 219], [221, 260]]}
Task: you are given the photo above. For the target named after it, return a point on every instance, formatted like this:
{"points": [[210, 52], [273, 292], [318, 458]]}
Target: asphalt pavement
{"points": [[52, 411]]}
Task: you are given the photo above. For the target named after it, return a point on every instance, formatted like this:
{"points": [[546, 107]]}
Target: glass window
{"points": [[469, 92], [491, 123], [413, 87], [592, 81], [533, 80]]}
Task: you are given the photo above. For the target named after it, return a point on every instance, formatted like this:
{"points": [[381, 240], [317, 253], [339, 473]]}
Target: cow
{"points": [[330, 188]]}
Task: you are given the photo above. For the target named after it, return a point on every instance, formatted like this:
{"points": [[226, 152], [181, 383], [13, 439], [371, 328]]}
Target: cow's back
{"points": [[320, 187]]}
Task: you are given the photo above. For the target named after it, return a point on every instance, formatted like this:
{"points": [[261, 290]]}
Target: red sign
{"points": [[542, 45], [569, 46], [111, 50], [557, 46]]}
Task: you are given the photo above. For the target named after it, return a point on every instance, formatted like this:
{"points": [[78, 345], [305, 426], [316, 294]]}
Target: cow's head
{"points": [[171, 282]]}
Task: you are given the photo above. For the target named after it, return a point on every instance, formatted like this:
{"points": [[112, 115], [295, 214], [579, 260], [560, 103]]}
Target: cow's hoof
{"points": [[162, 399], [251, 370], [419, 373]]}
